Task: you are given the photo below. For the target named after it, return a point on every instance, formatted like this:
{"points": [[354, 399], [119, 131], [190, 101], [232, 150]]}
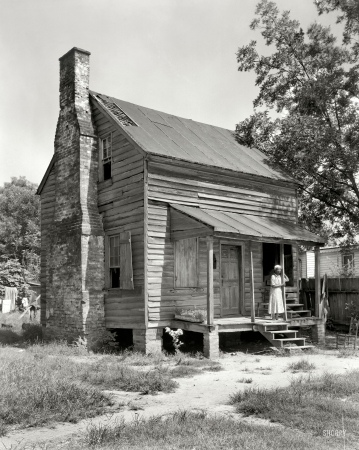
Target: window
{"points": [[106, 145], [348, 261], [119, 270], [186, 263]]}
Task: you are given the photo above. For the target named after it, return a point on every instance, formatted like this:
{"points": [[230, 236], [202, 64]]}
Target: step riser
{"points": [[300, 313], [274, 327], [286, 334]]}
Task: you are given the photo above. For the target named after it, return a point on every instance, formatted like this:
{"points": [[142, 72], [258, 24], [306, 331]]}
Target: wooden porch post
{"points": [[210, 298], [251, 277], [317, 309], [283, 288]]}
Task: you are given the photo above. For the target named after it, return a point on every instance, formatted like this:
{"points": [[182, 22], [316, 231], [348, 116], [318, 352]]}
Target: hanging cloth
{"points": [[11, 294]]}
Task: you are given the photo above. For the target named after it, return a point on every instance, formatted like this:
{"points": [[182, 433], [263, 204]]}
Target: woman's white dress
{"points": [[275, 296]]}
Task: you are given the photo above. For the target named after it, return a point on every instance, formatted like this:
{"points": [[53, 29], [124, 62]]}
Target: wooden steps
{"points": [[278, 334], [294, 310]]}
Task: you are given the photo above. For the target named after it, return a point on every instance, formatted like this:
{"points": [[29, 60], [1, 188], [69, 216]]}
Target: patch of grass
{"points": [[189, 430], [214, 368], [245, 380], [348, 353], [308, 404], [303, 365], [56, 348], [116, 375], [34, 392], [34, 373]]}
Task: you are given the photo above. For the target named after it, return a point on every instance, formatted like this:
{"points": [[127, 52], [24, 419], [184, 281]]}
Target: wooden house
{"points": [[145, 213], [335, 261]]}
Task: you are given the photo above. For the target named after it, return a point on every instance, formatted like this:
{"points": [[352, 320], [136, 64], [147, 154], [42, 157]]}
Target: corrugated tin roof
{"points": [[166, 135], [247, 225]]}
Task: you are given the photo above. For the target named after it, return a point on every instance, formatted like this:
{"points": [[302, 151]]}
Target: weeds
{"points": [[189, 430], [245, 380], [33, 394], [307, 404], [348, 353], [303, 365]]}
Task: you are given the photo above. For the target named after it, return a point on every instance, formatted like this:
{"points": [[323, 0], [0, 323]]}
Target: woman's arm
{"points": [[273, 282]]}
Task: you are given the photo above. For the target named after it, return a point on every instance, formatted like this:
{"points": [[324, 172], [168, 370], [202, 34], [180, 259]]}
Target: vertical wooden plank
{"points": [[107, 265], [251, 278], [317, 309], [126, 272], [210, 296], [283, 287], [145, 247], [298, 276]]}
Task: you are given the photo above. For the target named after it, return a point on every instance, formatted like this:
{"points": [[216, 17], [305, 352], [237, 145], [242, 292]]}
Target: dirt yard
{"points": [[209, 391]]}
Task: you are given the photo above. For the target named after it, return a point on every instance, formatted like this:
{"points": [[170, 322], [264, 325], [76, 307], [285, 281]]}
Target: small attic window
{"points": [[120, 115], [106, 147]]}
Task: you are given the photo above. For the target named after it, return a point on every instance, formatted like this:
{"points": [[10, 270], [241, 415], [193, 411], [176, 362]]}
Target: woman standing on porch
{"points": [[276, 305]]}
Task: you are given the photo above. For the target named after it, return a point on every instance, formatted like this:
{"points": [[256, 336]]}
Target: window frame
{"points": [[125, 260], [108, 159], [345, 255]]}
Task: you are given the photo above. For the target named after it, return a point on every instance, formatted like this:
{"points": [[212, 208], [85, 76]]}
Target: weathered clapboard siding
{"points": [[331, 262], [47, 217], [121, 203], [236, 195], [163, 298]]}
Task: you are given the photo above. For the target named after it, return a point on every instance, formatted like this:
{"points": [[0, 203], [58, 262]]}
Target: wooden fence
{"points": [[340, 292]]}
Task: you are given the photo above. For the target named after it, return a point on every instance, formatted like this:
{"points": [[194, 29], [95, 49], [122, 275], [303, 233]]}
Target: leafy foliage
{"points": [[349, 10], [19, 233], [19, 220], [13, 274], [312, 83]]}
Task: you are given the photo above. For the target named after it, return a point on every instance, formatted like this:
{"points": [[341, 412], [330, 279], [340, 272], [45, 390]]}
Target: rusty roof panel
{"points": [[248, 225], [166, 135]]}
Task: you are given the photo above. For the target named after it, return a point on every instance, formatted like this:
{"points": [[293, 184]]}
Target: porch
{"points": [[245, 280]]}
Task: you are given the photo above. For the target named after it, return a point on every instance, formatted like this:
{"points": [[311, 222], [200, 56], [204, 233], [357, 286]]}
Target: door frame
{"points": [[233, 243]]}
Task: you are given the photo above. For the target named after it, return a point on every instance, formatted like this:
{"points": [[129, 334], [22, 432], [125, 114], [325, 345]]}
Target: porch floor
{"points": [[241, 323]]}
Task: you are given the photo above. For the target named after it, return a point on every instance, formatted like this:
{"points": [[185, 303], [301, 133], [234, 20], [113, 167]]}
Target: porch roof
{"points": [[258, 227]]}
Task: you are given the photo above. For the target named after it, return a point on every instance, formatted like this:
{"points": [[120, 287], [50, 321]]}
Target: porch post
{"points": [[210, 298], [283, 288], [251, 278], [318, 308]]}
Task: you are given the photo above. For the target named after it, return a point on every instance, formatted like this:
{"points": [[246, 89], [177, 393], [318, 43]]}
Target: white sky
{"points": [[176, 56]]}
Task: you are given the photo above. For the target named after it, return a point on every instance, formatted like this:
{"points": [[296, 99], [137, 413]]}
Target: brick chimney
{"points": [[75, 257]]}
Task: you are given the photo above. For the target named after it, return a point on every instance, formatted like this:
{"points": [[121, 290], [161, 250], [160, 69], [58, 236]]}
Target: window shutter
{"points": [[186, 263], [126, 273]]}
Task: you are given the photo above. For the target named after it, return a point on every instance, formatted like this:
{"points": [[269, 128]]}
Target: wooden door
{"points": [[231, 292]]}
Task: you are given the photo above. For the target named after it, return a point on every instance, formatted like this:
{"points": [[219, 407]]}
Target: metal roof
{"points": [[248, 225], [170, 136]]}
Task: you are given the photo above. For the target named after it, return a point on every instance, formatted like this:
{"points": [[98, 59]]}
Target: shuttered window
{"points": [[186, 263], [120, 274]]}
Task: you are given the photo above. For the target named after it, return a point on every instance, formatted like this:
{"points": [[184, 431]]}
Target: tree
{"points": [[20, 224], [13, 274], [349, 15], [312, 83]]}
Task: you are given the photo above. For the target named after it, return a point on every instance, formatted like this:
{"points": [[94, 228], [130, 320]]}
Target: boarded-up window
{"points": [[186, 263], [120, 261]]}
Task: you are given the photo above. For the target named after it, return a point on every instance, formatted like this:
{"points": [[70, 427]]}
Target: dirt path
{"points": [[208, 391]]}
